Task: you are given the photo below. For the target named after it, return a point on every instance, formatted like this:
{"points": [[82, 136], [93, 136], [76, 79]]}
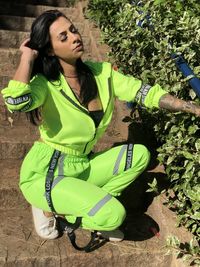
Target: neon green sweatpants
{"points": [[84, 187]]}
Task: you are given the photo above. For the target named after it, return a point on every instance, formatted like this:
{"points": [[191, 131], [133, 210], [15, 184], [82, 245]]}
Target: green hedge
{"points": [[145, 52]]}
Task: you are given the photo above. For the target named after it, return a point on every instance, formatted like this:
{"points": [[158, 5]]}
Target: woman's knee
{"points": [[141, 155], [111, 216]]}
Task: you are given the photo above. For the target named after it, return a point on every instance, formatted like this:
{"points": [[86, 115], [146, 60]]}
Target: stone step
{"points": [[16, 140], [19, 9], [20, 246], [9, 61], [17, 23], [27, 133], [14, 150], [8, 119], [13, 39], [4, 80], [53, 3], [10, 195]]}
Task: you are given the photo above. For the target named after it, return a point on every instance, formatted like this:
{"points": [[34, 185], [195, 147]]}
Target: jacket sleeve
{"points": [[24, 97], [130, 89]]}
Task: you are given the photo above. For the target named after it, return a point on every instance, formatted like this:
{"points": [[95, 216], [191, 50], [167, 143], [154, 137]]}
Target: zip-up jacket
{"points": [[66, 124]]}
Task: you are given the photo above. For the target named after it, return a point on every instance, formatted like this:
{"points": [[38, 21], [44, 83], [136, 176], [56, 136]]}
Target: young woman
{"points": [[73, 104]]}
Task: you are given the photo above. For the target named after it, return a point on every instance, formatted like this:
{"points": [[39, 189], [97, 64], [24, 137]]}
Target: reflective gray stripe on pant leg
{"points": [[99, 205], [119, 158], [60, 171]]}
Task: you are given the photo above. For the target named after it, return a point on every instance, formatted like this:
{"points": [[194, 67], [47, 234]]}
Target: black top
{"points": [[97, 116]]}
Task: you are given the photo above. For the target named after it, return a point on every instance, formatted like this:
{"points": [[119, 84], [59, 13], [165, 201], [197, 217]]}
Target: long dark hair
{"points": [[50, 66]]}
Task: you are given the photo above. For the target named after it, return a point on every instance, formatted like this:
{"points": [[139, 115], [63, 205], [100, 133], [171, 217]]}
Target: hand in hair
{"points": [[24, 70], [27, 52]]}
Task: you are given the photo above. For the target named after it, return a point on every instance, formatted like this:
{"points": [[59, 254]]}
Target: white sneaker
{"points": [[114, 236], [44, 226]]}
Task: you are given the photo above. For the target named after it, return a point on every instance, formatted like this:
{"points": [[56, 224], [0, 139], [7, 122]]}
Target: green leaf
{"points": [[196, 216], [192, 129], [158, 2], [188, 155]]}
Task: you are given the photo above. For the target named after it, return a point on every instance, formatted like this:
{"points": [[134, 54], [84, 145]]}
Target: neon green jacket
{"points": [[66, 125]]}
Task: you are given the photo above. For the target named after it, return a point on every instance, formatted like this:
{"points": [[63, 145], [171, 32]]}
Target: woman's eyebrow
{"points": [[62, 33], [65, 32]]}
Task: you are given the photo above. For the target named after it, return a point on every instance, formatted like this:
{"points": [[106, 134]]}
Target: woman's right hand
{"points": [[24, 70], [27, 52]]}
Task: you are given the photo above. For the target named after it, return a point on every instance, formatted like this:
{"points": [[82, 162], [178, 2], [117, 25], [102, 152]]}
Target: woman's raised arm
{"points": [[23, 72]]}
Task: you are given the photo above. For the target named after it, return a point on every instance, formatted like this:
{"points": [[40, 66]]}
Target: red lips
{"points": [[79, 46]]}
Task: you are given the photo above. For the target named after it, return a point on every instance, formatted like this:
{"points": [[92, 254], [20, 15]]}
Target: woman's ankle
{"points": [[47, 214]]}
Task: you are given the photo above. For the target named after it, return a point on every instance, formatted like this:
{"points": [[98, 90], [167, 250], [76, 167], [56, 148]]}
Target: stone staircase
{"points": [[19, 244]]}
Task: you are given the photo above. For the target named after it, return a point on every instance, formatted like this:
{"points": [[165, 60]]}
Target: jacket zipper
{"points": [[89, 141], [109, 87], [85, 111]]}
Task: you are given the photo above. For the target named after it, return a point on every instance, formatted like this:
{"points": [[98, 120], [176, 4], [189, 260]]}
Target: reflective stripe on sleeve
{"points": [[142, 93], [27, 106], [18, 100]]}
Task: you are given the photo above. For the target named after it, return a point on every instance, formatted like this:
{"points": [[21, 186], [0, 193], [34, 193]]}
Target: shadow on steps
{"points": [[139, 226]]}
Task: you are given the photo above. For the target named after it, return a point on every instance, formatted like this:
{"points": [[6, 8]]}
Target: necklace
{"points": [[76, 94], [70, 76]]}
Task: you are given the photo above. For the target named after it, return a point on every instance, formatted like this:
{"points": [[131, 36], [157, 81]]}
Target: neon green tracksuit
{"points": [[83, 186]]}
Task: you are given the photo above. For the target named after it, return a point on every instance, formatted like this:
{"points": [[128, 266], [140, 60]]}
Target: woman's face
{"points": [[65, 40]]}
